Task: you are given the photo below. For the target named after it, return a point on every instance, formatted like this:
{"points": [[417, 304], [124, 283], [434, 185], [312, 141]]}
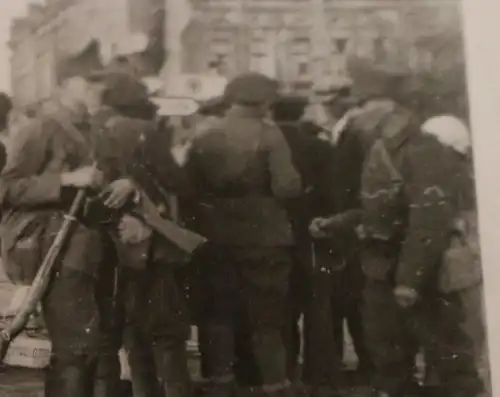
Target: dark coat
{"points": [[33, 199], [129, 147], [408, 219], [241, 170]]}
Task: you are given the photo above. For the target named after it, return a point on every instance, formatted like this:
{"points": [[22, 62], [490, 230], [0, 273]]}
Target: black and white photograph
{"points": [[246, 198]]}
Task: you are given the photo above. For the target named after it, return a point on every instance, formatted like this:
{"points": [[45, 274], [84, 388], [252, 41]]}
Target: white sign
{"points": [[175, 106], [196, 86]]}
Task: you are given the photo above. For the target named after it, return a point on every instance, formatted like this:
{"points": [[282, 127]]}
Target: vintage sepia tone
{"points": [[238, 197]]}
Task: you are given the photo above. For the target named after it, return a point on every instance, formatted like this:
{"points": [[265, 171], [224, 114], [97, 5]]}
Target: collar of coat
{"points": [[395, 127]]}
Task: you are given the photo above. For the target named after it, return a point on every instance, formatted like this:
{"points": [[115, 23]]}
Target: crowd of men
{"points": [[337, 209]]}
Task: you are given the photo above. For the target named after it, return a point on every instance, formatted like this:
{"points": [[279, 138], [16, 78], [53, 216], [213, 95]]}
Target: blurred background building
{"points": [[62, 28], [300, 42]]}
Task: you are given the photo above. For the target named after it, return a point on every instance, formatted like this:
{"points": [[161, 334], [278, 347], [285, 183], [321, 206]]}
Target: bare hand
{"points": [[118, 192], [88, 176], [132, 230], [317, 228], [406, 297]]}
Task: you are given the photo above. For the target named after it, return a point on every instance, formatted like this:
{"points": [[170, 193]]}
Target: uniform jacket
{"points": [[32, 197], [433, 178], [241, 171], [133, 148]]}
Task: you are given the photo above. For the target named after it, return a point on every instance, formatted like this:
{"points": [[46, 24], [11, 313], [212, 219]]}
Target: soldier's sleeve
{"points": [[428, 193], [285, 180], [20, 181]]}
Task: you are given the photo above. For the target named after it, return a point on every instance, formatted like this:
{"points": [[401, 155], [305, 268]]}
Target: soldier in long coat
{"points": [[242, 170], [49, 160], [412, 188]]}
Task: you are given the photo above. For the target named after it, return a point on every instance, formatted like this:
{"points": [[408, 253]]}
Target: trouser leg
{"points": [[245, 368], [220, 283], [337, 310], [141, 362], [390, 338], [322, 361], [297, 296], [72, 319], [265, 281], [451, 349], [157, 330], [350, 288], [108, 383]]}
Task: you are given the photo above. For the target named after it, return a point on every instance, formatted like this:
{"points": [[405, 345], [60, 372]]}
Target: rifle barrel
{"points": [[41, 281]]}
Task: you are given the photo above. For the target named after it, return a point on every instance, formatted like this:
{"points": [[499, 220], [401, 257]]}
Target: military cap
{"points": [[121, 88], [328, 91], [251, 89], [289, 108]]}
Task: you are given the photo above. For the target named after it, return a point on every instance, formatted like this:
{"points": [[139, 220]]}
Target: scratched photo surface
{"points": [[238, 197]]}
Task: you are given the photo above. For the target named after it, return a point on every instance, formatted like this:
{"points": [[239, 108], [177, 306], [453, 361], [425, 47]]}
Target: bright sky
{"points": [[8, 9]]}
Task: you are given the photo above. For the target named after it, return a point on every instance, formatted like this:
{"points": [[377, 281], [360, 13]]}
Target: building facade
{"points": [[62, 28], [302, 42]]}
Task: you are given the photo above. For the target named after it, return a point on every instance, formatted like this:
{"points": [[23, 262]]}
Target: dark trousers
{"points": [[346, 301], [297, 300], [73, 319], [150, 320], [321, 354], [245, 367], [395, 334], [245, 289]]}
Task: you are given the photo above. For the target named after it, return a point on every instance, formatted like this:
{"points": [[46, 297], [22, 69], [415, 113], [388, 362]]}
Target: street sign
{"points": [[171, 106]]}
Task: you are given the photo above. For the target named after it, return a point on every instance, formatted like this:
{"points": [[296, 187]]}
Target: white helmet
{"points": [[450, 131]]}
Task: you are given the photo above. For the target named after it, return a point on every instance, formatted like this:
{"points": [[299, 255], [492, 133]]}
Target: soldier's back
{"points": [[230, 167]]}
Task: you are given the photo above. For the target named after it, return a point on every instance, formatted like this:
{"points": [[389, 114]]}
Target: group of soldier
{"points": [[338, 211]]}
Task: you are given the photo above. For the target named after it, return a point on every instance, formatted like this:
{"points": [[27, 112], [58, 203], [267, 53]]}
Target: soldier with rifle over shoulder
{"points": [[50, 160]]}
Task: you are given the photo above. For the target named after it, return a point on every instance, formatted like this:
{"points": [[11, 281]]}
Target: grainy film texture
{"points": [[222, 198]]}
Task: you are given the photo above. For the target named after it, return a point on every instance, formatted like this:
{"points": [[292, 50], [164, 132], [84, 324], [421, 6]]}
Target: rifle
{"points": [[42, 279], [184, 239], [187, 240]]}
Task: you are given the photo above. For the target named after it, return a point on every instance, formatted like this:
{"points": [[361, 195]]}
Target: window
{"points": [[301, 45], [339, 45], [303, 68]]}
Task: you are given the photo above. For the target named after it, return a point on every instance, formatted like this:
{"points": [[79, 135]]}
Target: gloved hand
{"points": [[132, 230]]}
